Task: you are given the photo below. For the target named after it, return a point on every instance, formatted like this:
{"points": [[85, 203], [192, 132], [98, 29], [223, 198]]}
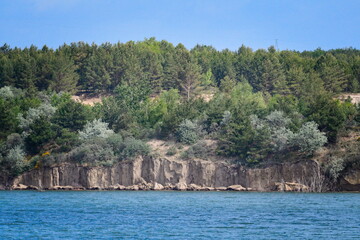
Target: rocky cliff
{"points": [[174, 174]]}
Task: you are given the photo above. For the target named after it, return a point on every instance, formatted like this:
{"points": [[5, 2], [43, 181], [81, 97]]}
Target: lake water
{"points": [[178, 215]]}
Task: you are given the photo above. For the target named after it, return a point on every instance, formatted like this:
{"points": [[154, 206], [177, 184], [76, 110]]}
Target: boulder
{"points": [[169, 186], [181, 186], [157, 187], [194, 187], [31, 187], [132, 188], [221, 188], [236, 188], [119, 187], [145, 186], [208, 189], [290, 187], [62, 188], [111, 187], [20, 187]]}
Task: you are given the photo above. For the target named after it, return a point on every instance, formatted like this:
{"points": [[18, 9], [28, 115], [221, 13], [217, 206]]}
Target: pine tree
{"points": [[6, 72], [153, 71], [171, 70], [333, 76], [24, 72], [64, 77], [294, 78], [44, 68], [243, 62], [189, 79], [273, 77], [97, 71]]}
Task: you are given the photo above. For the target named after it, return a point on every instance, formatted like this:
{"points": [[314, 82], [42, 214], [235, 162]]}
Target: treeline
{"points": [[259, 106], [162, 66]]}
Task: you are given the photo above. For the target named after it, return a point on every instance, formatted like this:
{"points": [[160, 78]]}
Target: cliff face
{"points": [[350, 181], [172, 172]]}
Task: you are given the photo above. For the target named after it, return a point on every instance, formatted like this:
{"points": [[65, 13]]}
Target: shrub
{"points": [[188, 154], [14, 161], [132, 148], [199, 150], [96, 152], [277, 119], [13, 140], [309, 138], [171, 151], [6, 92], [188, 132], [116, 141], [280, 138], [226, 118], [95, 129], [334, 168], [44, 111]]}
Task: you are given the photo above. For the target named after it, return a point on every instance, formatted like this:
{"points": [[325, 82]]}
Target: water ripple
{"points": [[178, 215]]}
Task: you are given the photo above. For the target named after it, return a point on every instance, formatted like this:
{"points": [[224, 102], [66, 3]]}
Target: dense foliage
{"points": [[159, 65], [259, 106]]}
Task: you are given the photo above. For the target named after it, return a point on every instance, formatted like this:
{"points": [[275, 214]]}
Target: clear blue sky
{"points": [[297, 24]]}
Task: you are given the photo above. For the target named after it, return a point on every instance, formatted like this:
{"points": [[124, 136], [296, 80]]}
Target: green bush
{"points": [[133, 147], [49, 159], [14, 162], [334, 168], [66, 139], [94, 153], [188, 132], [198, 150], [116, 141], [171, 151], [309, 138], [95, 129], [6, 92], [41, 132], [44, 111]]}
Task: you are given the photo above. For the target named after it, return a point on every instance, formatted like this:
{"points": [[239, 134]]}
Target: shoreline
{"points": [[181, 187]]}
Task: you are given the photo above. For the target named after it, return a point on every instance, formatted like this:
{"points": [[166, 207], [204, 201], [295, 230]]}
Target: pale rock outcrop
{"points": [[169, 186], [164, 174], [180, 186], [236, 188], [194, 187], [351, 181], [290, 187], [157, 187], [19, 187], [62, 188], [132, 188]]}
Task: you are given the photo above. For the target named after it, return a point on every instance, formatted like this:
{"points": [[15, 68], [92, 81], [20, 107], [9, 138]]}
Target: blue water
{"points": [[178, 215]]}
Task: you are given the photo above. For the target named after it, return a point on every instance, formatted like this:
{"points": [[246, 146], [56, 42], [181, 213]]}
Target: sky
{"points": [[291, 24]]}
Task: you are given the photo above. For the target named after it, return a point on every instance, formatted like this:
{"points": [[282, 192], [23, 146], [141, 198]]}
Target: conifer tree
{"points": [[64, 77], [333, 76], [98, 71]]}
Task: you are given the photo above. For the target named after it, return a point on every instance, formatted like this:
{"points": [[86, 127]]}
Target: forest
{"points": [[259, 107]]}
